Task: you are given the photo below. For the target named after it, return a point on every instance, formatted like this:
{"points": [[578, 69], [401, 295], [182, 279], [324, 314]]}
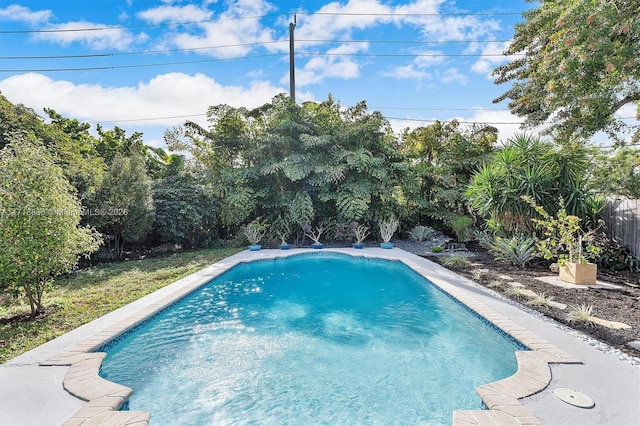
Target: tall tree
{"points": [[115, 141], [123, 206], [579, 64], [283, 161], [186, 209], [444, 157], [617, 172], [41, 236], [69, 141]]}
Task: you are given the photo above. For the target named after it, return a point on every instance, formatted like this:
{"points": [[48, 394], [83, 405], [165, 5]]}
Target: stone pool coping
{"points": [[503, 398]]}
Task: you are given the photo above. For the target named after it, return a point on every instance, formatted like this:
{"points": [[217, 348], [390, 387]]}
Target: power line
{"points": [[435, 120], [143, 52], [113, 67], [404, 55], [223, 46], [157, 64], [437, 109]]}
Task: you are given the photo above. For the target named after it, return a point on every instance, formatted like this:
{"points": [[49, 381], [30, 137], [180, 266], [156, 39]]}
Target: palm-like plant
{"points": [[530, 167], [518, 250]]}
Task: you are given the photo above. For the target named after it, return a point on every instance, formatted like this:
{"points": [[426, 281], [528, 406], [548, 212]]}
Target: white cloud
{"points": [[335, 19], [453, 75], [19, 13], [322, 67], [166, 95], [97, 36], [486, 64], [339, 20], [409, 72], [224, 29], [421, 68], [188, 13]]}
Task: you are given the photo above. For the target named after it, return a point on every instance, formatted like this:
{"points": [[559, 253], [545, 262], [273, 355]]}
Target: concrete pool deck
{"points": [[32, 385]]}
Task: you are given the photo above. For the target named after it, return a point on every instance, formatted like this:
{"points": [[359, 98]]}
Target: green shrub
{"points": [[461, 226], [581, 313], [617, 258], [518, 250], [484, 239], [421, 233], [436, 249], [540, 300], [455, 261]]}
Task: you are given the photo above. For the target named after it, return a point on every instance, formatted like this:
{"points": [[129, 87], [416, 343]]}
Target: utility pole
{"points": [[292, 61]]}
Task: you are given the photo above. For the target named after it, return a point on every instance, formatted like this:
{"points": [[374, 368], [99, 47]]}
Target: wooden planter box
{"points": [[579, 273]]}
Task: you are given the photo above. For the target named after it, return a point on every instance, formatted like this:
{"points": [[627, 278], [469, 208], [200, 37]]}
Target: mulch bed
{"points": [[621, 305]]}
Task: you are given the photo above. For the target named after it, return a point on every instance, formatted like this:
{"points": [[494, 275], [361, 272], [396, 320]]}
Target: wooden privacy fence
{"points": [[622, 217]]}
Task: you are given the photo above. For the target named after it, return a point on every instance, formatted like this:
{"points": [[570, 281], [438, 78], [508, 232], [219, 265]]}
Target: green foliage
{"points": [[437, 249], [69, 142], [301, 209], [115, 143], [353, 201], [41, 236], [581, 313], [123, 207], [462, 227], [442, 159], [185, 210], [455, 261], [517, 250], [562, 236], [617, 258], [540, 300], [579, 66], [237, 206], [162, 164], [312, 162], [529, 167], [617, 172], [420, 233]]}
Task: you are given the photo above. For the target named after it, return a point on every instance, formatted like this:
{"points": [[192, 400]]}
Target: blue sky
{"points": [[149, 65]]}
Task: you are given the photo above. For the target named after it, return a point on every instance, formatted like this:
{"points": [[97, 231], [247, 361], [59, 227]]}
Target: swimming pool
{"points": [[311, 339]]}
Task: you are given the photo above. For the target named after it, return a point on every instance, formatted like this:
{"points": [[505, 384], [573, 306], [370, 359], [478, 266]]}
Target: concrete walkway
{"points": [[31, 394]]}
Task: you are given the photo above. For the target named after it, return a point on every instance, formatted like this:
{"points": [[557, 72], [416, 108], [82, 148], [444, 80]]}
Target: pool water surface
{"points": [[311, 339]]}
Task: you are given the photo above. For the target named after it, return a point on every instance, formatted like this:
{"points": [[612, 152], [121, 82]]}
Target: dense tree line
{"points": [[285, 165]]}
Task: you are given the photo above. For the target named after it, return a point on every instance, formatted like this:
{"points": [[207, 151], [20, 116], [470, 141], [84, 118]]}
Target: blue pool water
{"points": [[312, 339]]}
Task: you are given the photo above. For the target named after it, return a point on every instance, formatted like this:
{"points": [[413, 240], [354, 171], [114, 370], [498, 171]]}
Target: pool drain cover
{"points": [[574, 397]]}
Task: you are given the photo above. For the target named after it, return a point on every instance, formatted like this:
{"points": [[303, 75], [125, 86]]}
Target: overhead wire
{"points": [[224, 46]]}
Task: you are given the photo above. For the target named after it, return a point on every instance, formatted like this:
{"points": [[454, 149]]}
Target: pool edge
{"points": [[501, 397]]}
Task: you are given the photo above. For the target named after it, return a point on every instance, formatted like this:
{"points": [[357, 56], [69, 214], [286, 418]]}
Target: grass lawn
{"points": [[88, 294]]}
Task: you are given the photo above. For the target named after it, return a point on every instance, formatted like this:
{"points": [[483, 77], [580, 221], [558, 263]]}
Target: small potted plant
{"points": [[387, 229], [360, 233], [314, 234], [564, 241], [284, 245], [254, 232]]}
